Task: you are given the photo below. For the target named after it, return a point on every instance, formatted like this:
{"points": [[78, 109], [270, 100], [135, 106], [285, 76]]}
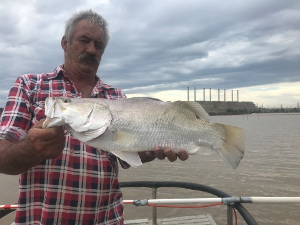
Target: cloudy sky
{"points": [[158, 48]]}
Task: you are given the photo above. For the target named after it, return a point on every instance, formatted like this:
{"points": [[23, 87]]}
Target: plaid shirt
{"points": [[78, 187]]}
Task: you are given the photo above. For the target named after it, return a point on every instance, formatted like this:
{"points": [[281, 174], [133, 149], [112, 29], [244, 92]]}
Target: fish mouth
{"points": [[46, 122], [53, 108], [49, 111]]}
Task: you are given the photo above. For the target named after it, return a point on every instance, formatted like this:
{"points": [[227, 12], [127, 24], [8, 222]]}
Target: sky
{"points": [[160, 48]]}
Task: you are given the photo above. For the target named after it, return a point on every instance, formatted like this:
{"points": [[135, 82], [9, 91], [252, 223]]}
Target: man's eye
{"points": [[84, 41], [98, 46]]}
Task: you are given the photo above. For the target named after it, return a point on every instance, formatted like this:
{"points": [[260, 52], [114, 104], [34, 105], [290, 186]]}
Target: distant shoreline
{"points": [[244, 111]]}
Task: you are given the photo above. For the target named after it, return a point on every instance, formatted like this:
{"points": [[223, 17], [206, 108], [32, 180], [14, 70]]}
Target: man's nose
{"points": [[91, 49]]}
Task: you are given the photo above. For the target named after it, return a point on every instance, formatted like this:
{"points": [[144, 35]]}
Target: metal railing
{"points": [[232, 202], [154, 185]]}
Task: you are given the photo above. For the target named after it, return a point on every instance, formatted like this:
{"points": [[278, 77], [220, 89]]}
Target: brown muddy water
{"points": [[271, 167]]}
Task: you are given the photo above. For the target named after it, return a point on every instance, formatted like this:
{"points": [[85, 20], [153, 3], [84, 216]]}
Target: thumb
{"points": [[39, 124]]}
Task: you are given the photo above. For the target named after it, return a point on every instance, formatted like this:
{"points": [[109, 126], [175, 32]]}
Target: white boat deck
{"points": [[185, 220]]}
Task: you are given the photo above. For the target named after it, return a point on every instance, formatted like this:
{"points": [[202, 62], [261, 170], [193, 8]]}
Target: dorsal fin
{"points": [[196, 108], [145, 98]]}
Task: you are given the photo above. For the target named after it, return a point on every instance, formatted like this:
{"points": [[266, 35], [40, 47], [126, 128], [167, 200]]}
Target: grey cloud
{"points": [[162, 45]]}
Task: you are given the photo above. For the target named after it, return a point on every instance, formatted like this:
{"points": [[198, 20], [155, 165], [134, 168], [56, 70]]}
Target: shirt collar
{"points": [[60, 71]]}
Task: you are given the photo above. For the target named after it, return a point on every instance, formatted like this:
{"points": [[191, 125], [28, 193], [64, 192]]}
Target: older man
{"points": [[63, 181]]}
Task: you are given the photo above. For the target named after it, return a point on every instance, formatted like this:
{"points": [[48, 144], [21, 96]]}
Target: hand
{"points": [[45, 143], [40, 144], [161, 154]]}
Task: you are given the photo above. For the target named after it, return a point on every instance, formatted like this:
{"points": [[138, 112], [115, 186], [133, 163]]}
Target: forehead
{"points": [[85, 28]]}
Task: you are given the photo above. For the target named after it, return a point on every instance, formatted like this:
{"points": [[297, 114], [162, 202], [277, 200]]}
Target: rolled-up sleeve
{"points": [[16, 116]]}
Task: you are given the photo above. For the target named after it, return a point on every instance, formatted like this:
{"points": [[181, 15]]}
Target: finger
{"points": [[54, 147], [159, 153], [147, 156], [48, 136], [39, 124], [183, 155], [172, 156], [51, 133]]}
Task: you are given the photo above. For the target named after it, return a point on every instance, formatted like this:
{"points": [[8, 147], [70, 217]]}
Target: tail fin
{"points": [[233, 146]]}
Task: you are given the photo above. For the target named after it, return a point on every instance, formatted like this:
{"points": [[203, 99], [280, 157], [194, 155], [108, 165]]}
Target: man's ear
{"points": [[64, 43]]}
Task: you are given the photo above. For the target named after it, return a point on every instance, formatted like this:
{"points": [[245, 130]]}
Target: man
{"points": [[63, 181]]}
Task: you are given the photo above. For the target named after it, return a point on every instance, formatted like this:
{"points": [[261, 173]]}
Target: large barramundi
{"points": [[127, 126]]}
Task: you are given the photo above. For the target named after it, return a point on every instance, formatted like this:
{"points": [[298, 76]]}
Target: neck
{"points": [[80, 72], [84, 82]]}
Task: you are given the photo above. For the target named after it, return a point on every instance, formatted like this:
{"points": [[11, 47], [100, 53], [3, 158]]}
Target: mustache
{"points": [[86, 56]]}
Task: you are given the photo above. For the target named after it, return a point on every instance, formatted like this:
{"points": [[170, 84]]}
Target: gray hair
{"points": [[93, 17]]}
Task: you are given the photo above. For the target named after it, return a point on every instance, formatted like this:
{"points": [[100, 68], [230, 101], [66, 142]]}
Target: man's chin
{"points": [[89, 67]]}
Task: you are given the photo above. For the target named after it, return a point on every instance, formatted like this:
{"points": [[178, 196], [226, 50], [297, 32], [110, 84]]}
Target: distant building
{"points": [[224, 108]]}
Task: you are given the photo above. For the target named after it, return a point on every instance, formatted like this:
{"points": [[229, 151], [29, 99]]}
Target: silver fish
{"points": [[127, 126]]}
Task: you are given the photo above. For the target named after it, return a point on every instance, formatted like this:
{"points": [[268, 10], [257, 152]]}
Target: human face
{"points": [[84, 52]]}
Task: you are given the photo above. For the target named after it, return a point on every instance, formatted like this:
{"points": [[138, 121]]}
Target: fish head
{"points": [[72, 111], [81, 117]]}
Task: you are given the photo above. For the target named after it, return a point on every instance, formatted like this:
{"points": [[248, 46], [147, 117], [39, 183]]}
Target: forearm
{"points": [[15, 157], [40, 144]]}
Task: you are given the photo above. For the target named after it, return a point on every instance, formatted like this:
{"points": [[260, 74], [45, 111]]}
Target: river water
{"points": [[271, 167]]}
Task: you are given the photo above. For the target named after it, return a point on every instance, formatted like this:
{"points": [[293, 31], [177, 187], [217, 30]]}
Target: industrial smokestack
{"points": [[218, 95], [210, 94], [224, 95], [237, 93], [232, 95], [204, 94], [195, 94], [188, 93]]}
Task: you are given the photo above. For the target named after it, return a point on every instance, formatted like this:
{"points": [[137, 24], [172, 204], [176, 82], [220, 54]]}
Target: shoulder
{"points": [[111, 91], [36, 77], [35, 80]]}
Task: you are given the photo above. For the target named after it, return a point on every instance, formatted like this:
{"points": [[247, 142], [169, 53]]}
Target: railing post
{"points": [[154, 209], [229, 215]]}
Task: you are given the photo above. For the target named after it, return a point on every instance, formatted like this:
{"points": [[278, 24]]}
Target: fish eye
{"points": [[66, 100]]}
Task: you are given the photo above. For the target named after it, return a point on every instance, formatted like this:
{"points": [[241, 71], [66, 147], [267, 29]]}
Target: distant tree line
{"points": [[278, 110], [231, 111]]}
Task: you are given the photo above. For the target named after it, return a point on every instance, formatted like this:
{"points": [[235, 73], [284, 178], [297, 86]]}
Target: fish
{"points": [[126, 126]]}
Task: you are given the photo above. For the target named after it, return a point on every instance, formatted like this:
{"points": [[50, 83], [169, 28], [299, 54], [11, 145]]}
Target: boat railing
{"points": [[231, 203]]}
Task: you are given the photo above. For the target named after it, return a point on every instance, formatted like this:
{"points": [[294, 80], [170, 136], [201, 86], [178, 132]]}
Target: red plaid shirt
{"points": [[78, 187]]}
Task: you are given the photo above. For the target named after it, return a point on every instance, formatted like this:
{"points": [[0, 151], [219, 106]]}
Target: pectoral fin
{"points": [[124, 138]]}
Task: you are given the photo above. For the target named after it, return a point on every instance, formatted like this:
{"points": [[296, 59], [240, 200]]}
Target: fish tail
{"points": [[233, 145]]}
